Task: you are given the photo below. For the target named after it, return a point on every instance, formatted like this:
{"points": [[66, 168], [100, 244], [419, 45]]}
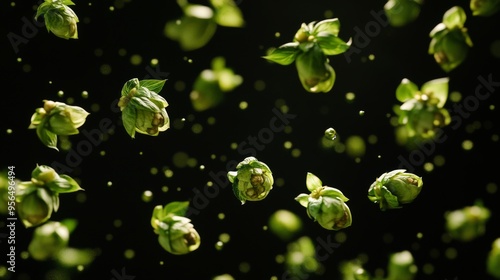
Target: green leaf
{"points": [[285, 54], [231, 175], [303, 199], [63, 184], [314, 207], [406, 90], [389, 200], [334, 193], [454, 17], [48, 138], [176, 208], [439, 89], [438, 30], [153, 85], [331, 44], [329, 26], [129, 115], [229, 15], [313, 182], [157, 216]]}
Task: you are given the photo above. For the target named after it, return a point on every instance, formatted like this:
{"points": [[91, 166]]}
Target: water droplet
{"points": [[331, 134]]}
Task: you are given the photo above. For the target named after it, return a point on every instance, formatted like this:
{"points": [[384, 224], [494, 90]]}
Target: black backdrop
{"points": [[50, 64]]}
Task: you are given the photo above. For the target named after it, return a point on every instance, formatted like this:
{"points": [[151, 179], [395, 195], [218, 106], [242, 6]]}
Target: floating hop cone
{"points": [[311, 46], [392, 189], [176, 233], [402, 12], [468, 223], [450, 41], [143, 109], [56, 118], [39, 198], [252, 180], [60, 19], [401, 266], [325, 205]]}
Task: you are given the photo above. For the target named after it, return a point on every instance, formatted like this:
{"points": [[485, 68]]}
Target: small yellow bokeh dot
{"points": [[295, 153], [197, 128], [221, 216], [287, 145], [129, 254], [428, 166], [135, 59], [105, 69], [491, 188], [467, 145], [243, 105], [60, 93], [9, 131], [350, 96], [451, 253], [109, 183], [153, 170]]}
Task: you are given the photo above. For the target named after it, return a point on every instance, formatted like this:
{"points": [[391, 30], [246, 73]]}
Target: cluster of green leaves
{"points": [[422, 113], [311, 46], [59, 18]]}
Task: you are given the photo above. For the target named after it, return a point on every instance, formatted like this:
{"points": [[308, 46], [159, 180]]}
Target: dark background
{"points": [[50, 64]]}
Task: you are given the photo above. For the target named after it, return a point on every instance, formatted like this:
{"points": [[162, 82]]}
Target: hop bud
{"points": [[401, 266], [176, 233], [35, 206], [178, 236], [394, 188], [326, 205], [48, 240], [60, 19], [450, 41], [252, 180], [143, 109], [315, 73], [57, 118]]}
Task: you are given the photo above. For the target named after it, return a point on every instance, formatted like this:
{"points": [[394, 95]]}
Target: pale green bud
{"points": [[467, 223], [252, 180], [36, 206], [60, 19], [394, 188], [178, 236], [401, 266]]}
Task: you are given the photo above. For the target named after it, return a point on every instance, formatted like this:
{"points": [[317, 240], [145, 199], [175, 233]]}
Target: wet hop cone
{"points": [[39, 198], [392, 189], [56, 118], [450, 41], [60, 19], [143, 109], [252, 180], [325, 205], [311, 46], [176, 233]]}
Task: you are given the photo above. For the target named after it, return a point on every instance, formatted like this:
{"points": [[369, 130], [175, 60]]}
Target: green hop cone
{"points": [[493, 260], [467, 223], [39, 198], [143, 109], [311, 45], [450, 41], [56, 118], [484, 8], [401, 266], [60, 19], [176, 233], [252, 180], [48, 240], [315, 73], [392, 189], [35, 205], [402, 12], [353, 270], [325, 205]]}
